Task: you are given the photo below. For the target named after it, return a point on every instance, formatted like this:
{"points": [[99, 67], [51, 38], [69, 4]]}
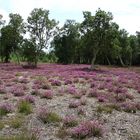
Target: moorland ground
{"points": [[55, 102]]}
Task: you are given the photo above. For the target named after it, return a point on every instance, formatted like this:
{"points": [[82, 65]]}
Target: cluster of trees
{"points": [[39, 29], [96, 39]]}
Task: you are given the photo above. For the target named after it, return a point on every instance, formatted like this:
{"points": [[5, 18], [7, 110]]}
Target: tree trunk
{"points": [[130, 62], [93, 59], [6, 60], [121, 61], [18, 61], [108, 61]]}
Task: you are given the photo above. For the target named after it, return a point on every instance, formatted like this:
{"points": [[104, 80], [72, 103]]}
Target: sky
{"points": [[126, 13]]}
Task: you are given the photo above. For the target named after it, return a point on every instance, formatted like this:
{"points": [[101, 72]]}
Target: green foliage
{"points": [[41, 29], [96, 29], [104, 109], [134, 136], [50, 117], [29, 52], [19, 137], [108, 108], [62, 133], [95, 40], [65, 44], [24, 107], [16, 122], [11, 36], [1, 125]]}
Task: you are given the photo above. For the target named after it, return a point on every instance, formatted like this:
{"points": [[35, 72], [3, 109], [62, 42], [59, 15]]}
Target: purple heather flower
{"points": [[87, 129], [102, 98], [47, 94], [129, 107], [74, 104], [70, 121], [93, 93], [30, 99], [67, 82], [6, 107], [80, 110], [56, 83], [2, 89], [71, 90]]}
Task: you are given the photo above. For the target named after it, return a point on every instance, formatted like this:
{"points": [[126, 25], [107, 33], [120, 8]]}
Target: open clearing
{"points": [[55, 102]]}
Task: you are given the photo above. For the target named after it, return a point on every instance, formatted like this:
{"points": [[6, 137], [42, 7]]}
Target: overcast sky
{"points": [[126, 12]]}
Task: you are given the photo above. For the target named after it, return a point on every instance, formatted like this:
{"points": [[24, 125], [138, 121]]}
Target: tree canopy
{"points": [[96, 40]]}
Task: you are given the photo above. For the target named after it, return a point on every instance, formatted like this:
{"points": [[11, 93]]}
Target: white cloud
{"points": [[4, 15], [126, 12]]}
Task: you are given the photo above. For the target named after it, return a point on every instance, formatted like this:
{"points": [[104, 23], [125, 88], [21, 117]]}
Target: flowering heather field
{"points": [[66, 102]]}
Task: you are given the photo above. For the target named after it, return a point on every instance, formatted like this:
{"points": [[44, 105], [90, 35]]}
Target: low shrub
{"points": [[24, 107]]}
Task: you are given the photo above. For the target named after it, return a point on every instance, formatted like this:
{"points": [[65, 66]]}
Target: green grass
{"points": [[134, 136], [104, 109], [51, 117], [19, 137], [3, 112], [108, 108], [25, 107], [1, 125], [62, 133], [16, 122]]}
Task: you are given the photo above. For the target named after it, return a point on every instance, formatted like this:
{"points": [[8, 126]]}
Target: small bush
{"points": [[104, 109], [35, 92], [80, 110], [62, 133], [1, 125], [16, 122], [77, 95], [30, 99], [2, 89], [48, 117], [20, 137], [56, 83], [24, 107], [87, 129], [134, 136], [5, 108], [129, 107], [121, 97], [48, 94], [18, 92], [46, 86], [102, 98], [71, 90], [113, 106], [74, 104], [70, 121], [93, 93]]}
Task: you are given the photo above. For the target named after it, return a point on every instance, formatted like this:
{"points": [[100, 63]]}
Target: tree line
{"points": [[97, 39]]}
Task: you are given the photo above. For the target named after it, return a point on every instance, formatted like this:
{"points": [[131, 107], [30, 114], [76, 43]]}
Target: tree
{"points": [[111, 49], [28, 51], [125, 56], [66, 43], [96, 28], [16, 22], [41, 30], [7, 42], [2, 22], [11, 36]]}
